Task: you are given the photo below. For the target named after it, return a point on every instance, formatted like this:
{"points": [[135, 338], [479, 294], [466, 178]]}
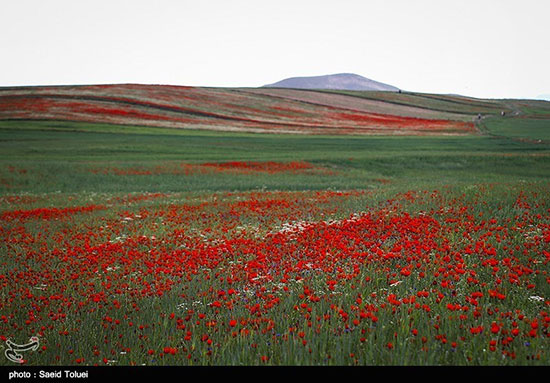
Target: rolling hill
{"points": [[261, 110]]}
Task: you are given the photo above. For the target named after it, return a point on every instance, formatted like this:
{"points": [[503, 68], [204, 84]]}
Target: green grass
{"points": [[53, 156], [531, 128]]}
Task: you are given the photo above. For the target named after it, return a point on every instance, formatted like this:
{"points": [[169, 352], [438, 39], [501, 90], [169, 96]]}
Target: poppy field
{"points": [[321, 277], [222, 109], [138, 245]]}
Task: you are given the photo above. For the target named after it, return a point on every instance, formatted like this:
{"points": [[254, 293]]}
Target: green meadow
{"points": [[46, 157]]}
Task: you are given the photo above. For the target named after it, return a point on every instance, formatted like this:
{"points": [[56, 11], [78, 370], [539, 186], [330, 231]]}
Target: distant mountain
{"points": [[341, 81], [543, 97]]}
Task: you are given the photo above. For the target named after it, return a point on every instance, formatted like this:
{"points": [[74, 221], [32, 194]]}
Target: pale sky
{"points": [[479, 48]]}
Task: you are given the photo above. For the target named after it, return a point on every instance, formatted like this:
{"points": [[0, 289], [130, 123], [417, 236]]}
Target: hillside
{"points": [[262, 110]]}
